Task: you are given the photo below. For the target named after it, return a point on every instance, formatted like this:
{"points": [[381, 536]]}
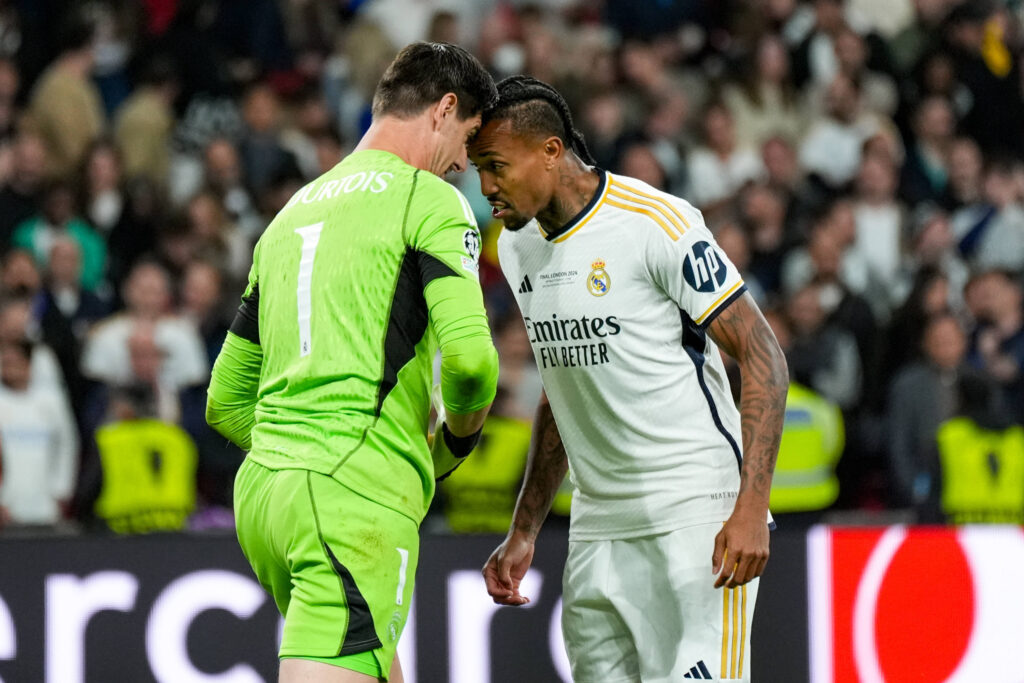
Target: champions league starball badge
{"points": [[598, 282], [471, 243]]}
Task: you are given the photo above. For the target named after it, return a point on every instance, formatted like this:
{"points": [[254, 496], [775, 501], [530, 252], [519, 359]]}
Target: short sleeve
{"points": [[442, 225], [694, 272]]}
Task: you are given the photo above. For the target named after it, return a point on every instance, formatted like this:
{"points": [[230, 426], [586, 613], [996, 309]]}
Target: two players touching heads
{"points": [[326, 378]]}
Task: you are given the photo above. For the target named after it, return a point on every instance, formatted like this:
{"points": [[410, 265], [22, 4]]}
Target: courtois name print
{"points": [[703, 268]]}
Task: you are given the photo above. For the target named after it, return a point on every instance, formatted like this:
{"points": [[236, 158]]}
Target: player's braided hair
{"points": [[534, 106]]}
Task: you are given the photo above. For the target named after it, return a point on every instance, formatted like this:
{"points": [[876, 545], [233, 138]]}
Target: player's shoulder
{"points": [[654, 211], [433, 193]]}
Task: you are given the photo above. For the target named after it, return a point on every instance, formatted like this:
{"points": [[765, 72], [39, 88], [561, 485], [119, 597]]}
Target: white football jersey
{"points": [[616, 305]]}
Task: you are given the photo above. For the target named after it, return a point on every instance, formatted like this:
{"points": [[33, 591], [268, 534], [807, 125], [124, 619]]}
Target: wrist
{"points": [[524, 532], [749, 505], [460, 446]]}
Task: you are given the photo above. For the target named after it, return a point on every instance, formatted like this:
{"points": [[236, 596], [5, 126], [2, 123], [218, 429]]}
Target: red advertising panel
{"points": [[923, 604]]}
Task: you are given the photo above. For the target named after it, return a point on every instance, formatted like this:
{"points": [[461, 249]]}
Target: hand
{"points": [[506, 568], [742, 547]]}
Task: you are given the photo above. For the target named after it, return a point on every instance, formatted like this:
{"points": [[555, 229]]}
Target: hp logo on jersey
{"points": [[703, 269]]}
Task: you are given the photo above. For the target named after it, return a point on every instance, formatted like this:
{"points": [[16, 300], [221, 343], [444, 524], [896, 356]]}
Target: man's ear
{"points": [[554, 149], [445, 107]]}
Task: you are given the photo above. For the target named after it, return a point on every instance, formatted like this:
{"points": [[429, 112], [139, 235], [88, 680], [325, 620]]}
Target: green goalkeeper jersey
{"points": [[354, 286]]}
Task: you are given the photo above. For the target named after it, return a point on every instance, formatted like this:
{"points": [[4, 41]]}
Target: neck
{"points": [[79, 62], [403, 138], [577, 184]]}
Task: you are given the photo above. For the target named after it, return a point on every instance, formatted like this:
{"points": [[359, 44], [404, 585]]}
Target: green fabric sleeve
{"points": [[231, 398], [469, 361]]}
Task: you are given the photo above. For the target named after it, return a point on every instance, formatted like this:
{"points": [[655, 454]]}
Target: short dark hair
{"points": [[423, 73], [535, 107], [75, 32]]}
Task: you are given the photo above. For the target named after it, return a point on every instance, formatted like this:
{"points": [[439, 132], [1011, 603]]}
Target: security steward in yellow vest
{"points": [[981, 459], [812, 443], [480, 495], [147, 468]]}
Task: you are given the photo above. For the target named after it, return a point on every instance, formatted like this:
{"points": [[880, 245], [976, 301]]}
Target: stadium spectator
{"points": [[994, 298], [763, 211], [311, 122], [38, 442], [766, 103], [925, 174], [734, 241], [638, 160], [214, 236], [103, 198], [260, 149], [135, 234], [147, 293], [18, 324], [881, 233], [831, 148], [719, 167], [20, 196], [65, 312], [202, 303], [996, 238], [144, 122], [924, 394], [823, 357], [933, 245], [966, 168], [225, 175], [59, 218], [65, 106], [984, 65], [852, 56], [929, 296]]}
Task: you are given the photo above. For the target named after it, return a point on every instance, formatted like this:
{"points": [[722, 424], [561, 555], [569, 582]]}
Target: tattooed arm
{"points": [[742, 332], [546, 466]]}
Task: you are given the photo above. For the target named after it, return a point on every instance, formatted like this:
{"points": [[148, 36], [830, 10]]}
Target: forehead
{"points": [[499, 137]]}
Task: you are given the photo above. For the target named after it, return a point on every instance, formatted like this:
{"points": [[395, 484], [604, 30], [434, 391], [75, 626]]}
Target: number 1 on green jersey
{"points": [[310, 235]]}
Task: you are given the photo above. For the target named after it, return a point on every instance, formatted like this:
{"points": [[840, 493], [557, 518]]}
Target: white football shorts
{"points": [[646, 609]]}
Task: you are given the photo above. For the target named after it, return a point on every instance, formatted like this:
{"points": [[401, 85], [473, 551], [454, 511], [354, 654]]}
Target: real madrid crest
{"points": [[598, 282]]}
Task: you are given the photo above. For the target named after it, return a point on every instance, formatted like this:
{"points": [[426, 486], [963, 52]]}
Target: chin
{"points": [[517, 223]]}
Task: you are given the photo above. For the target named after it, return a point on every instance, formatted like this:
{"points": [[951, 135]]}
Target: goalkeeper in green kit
{"points": [[326, 374]]}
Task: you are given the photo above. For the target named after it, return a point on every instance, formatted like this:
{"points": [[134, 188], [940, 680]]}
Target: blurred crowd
{"points": [[860, 161]]}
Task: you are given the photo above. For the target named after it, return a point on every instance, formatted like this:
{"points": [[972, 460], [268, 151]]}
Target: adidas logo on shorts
{"points": [[525, 287], [699, 672]]}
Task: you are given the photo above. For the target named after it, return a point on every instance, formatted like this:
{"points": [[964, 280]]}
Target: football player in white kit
{"points": [[627, 300]]}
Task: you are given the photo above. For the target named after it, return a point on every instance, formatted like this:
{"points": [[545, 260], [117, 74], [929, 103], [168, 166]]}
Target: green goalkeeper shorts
{"points": [[340, 567]]}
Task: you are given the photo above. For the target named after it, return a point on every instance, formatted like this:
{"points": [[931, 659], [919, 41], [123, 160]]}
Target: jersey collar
{"points": [[583, 216]]}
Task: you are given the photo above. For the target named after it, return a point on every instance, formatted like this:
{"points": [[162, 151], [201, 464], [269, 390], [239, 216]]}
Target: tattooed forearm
{"points": [[744, 334], [546, 466]]}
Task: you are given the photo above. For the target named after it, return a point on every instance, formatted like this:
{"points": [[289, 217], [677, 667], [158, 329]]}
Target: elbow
{"points": [[471, 379]]}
